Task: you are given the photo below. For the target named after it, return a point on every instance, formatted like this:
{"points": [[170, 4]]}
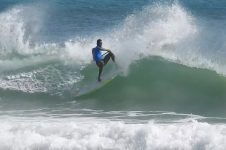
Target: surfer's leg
{"points": [[100, 65], [108, 56]]}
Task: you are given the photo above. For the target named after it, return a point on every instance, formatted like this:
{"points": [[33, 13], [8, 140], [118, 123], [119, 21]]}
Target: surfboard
{"points": [[93, 87]]}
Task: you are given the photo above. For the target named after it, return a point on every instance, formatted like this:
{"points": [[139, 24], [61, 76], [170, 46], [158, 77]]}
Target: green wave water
{"points": [[157, 84]]}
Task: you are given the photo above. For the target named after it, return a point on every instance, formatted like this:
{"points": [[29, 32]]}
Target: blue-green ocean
{"points": [[170, 88]]}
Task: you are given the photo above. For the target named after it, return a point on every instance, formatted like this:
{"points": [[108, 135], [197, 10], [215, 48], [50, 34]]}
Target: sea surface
{"points": [[170, 88]]}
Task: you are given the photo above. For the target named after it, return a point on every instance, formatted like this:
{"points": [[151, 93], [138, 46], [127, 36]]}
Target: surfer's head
{"points": [[99, 42]]}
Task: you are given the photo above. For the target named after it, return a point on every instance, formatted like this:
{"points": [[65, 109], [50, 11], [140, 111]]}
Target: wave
{"points": [[151, 84], [161, 29], [157, 84]]}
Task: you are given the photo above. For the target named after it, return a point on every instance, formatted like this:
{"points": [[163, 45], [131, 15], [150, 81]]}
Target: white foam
{"points": [[156, 30], [94, 134], [18, 25], [169, 31]]}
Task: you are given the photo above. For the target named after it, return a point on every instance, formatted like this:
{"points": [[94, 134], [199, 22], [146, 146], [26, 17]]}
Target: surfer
{"points": [[101, 59]]}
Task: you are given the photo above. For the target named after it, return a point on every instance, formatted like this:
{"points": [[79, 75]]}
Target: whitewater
{"points": [[170, 91]]}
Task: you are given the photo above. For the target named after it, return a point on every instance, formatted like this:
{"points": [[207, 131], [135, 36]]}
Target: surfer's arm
{"points": [[104, 49]]}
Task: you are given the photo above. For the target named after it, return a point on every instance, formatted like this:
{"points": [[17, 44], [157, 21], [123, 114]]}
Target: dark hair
{"points": [[98, 41]]}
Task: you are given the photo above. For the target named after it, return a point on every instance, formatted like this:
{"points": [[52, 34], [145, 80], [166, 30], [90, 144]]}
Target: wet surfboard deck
{"points": [[93, 87]]}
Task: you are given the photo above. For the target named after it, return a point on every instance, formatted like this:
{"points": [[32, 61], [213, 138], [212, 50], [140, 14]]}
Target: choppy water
{"points": [[170, 92]]}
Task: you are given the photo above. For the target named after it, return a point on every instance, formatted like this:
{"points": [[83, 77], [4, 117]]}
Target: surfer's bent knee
{"points": [[100, 63]]}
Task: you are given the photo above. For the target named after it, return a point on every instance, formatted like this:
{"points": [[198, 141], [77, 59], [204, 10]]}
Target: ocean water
{"points": [[170, 91]]}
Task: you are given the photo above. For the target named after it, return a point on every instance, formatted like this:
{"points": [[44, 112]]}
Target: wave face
{"points": [[171, 62]]}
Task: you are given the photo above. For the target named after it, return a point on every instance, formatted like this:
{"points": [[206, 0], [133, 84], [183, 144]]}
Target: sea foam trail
{"points": [[104, 134]]}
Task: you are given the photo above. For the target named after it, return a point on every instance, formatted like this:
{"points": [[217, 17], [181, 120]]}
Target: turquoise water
{"points": [[170, 87]]}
